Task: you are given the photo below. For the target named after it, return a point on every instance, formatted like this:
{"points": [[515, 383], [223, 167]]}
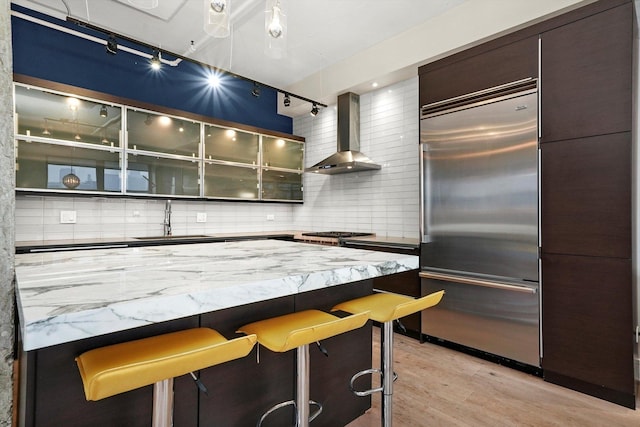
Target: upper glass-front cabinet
{"points": [[282, 153], [66, 118], [162, 134], [230, 145], [69, 143]]}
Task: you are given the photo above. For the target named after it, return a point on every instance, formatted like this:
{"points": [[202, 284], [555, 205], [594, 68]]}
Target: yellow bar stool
{"points": [[117, 368], [298, 330], [385, 308]]}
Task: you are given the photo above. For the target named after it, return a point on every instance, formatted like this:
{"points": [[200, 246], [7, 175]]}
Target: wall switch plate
{"points": [[271, 217], [67, 217], [201, 217]]}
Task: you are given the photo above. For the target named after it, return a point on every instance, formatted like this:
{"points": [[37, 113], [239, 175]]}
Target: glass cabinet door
{"points": [[230, 145], [158, 175], [162, 134], [280, 185], [228, 181], [66, 168], [60, 117], [282, 153]]}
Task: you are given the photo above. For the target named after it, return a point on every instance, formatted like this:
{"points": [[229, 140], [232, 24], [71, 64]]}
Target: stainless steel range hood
{"points": [[348, 158]]}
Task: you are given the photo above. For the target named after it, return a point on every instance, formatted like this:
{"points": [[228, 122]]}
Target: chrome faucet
{"points": [[167, 218]]}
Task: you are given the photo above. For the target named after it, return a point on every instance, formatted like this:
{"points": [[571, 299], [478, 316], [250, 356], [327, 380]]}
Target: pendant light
{"points": [[216, 18], [275, 25]]}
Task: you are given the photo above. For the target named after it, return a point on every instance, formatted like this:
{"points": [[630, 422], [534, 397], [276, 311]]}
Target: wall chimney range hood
{"points": [[348, 158]]}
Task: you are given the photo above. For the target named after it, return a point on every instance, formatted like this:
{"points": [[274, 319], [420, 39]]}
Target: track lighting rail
{"points": [[179, 57]]}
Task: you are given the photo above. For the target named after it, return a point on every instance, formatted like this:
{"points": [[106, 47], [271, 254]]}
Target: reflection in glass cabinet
{"points": [[282, 153], [281, 185], [157, 175], [61, 117], [163, 134], [233, 182], [62, 167], [230, 145]]}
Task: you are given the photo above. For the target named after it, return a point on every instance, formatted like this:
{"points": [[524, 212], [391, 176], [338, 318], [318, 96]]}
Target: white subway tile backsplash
{"points": [[385, 202]]}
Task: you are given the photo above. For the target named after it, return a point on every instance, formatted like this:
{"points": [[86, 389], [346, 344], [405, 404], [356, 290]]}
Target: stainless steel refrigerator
{"points": [[479, 199]]}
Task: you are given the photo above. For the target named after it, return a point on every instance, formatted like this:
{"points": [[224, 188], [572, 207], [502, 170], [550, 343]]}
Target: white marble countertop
{"points": [[67, 296]]}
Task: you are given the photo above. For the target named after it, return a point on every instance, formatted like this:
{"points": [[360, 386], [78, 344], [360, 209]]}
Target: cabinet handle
{"points": [[476, 282], [373, 245]]}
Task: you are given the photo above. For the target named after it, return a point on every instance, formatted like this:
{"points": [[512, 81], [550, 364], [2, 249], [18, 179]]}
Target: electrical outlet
{"points": [[201, 217], [271, 217], [67, 217]]}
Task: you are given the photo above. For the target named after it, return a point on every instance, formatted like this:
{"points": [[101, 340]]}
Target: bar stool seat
{"points": [[122, 367], [298, 330], [385, 308]]}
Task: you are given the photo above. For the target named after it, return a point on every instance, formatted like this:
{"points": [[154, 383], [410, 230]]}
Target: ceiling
{"points": [[332, 46]]}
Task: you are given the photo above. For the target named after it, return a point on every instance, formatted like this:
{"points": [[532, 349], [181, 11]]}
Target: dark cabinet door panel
{"points": [[587, 320], [586, 76], [586, 196], [515, 61]]}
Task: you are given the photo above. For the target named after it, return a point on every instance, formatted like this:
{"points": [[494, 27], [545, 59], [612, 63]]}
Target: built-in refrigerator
{"points": [[479, 227]]}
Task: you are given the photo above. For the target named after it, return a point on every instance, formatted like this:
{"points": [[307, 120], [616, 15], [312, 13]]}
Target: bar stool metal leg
{"points": [[163, 403], [302, 384], [388, 376]]}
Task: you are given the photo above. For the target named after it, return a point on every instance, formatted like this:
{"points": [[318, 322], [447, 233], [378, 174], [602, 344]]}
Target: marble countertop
{"points": [[67, 296]]}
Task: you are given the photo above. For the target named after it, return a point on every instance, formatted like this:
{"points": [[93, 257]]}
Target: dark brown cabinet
{"points": [[587, 313], [459, 76], [586, 71], [586, 196], [587, 332]]}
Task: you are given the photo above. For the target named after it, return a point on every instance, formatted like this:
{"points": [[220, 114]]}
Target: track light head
{"points": [[112, 45], [103, 111], [256, 90], [155, 60], [287, 100], [314, 110]]}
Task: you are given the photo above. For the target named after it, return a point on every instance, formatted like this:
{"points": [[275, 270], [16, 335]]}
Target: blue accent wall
{"points": [[53, 55]]}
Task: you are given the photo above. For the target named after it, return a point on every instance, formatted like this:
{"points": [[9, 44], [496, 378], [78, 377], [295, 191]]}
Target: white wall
{"points": [[38, 217], [385, 201]]}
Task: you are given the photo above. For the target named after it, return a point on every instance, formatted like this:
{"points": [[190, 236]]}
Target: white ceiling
{"points": [[333, 46]]}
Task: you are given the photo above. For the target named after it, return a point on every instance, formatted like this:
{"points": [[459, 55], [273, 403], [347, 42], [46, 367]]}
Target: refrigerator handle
{"points": [[476, 282]]}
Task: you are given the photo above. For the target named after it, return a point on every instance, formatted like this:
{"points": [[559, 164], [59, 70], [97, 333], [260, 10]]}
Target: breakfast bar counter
{"points": [[76, 300]]}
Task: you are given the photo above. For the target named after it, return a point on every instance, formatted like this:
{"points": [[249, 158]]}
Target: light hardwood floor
{"points": [[442, 387]]}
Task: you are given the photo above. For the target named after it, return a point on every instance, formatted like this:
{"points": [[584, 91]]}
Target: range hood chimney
{"points": [[348, 158]]}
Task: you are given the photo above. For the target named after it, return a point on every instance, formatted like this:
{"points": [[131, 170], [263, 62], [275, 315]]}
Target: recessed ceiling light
{"points": [[374, 84]]}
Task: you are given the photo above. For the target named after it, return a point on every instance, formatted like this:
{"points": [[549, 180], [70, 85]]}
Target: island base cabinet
{"points": [[52, 393], [239, 391], [586, 333], [242, 390]]}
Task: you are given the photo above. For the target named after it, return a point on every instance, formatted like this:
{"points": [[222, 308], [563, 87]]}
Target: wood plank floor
{"points": [[442, 387]]}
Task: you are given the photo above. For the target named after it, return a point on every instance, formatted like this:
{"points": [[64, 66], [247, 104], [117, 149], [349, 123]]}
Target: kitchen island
{"points": [[69, 302]]}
